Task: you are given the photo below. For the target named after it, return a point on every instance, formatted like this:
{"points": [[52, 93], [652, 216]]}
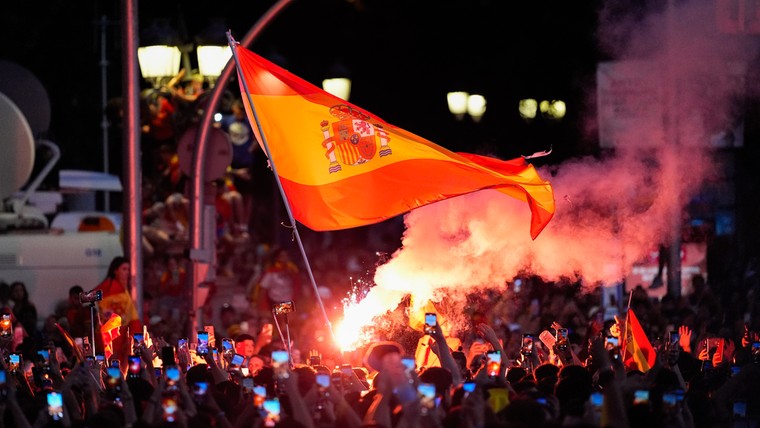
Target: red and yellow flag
{"points": [[110, 331], [638, 353], [342, 167]]}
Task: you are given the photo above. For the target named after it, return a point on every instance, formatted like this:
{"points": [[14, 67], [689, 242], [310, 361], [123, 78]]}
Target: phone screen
{"points": [[5, 326], [113, 378], [228, 345], [272, 409], [247, 384], [44, 355], [527, 344], [55, 405], [674, 339], [611, 342], [669, 399], [259, 394], [427, 395], [202, 348], [430, 321], [280, 363], [468, 387], [135, 364], [562, 338], [137, 339], [493, 363], [172, 374], [641, 396], [237, 360], [14, 362], [597, 398], [347, 369], [200, 388], [100, 358], [409, 364], [182, 343], [740, 409], [323, 381], [170, 406]]}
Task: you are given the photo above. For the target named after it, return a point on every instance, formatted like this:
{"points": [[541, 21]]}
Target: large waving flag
{"points": [[342, 167], [638, 353]]}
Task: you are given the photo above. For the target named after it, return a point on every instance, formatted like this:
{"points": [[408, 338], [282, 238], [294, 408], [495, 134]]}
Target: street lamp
{"points": [[461, 103], [158, 63], [554, 109], [338, 86], [528, 108], [211, 61]]}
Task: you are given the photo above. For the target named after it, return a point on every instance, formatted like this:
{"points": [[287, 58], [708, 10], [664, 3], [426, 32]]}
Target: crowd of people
{"points": [[541, 356]]}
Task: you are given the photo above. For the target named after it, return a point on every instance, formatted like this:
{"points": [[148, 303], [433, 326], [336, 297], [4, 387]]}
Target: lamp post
{"points": [[200, 248]]}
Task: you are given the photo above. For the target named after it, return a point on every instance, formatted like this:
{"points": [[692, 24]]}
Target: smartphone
{"points": [[674, 338], [237, 361], [228, 346], [468, 388], [493, 363], [259, 395], [284, 308], [137, 341], [100, 358], [427, 394], [247, 385], [200, 388], [611, 342], [323, 382], [272, 410], [409, 364], [597, 398], [669, 400], [6, 329], [170, 407], [44, 356], [431, 319], [756, 352], [14, 362], [115, 363], [211, 338], [740, 409], [113, 378], [202, 348], [3, 384], [280, 360], [562, 340], [527, 344], [171, 375], [315, 360], [182, 343], [55, 405], [135, 366], [641, 396], [167, 356], [347, 369]]}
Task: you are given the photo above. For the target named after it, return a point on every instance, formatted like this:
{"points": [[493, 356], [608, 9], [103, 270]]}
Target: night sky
{"points": [[403, 56]]}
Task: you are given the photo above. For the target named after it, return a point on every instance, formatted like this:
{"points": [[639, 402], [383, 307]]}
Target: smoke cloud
{"points": [[611, 210]]}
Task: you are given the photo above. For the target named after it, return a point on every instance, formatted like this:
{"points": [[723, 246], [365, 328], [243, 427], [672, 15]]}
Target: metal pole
{"points": [[132, 229], [103, 104], [201, 252], [671, 127]]}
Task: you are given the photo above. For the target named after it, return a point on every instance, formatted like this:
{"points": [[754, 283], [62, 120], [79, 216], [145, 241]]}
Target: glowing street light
{"points": [[158, 62], [212, 60]]}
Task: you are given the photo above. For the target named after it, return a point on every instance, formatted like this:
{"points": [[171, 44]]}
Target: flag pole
{"points": [[272, 164]]}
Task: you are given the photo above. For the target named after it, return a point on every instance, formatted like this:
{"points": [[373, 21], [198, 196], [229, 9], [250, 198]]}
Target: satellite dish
{"points": [[16, 146], [27, 92], [218, 153]]}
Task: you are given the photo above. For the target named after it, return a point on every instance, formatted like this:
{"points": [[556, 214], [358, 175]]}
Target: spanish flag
{"points": [[638, 353], [109, 331], [342, 167]]}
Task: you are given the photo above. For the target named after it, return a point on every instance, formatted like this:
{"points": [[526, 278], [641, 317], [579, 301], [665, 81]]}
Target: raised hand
{"points": [[685, 338]]}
